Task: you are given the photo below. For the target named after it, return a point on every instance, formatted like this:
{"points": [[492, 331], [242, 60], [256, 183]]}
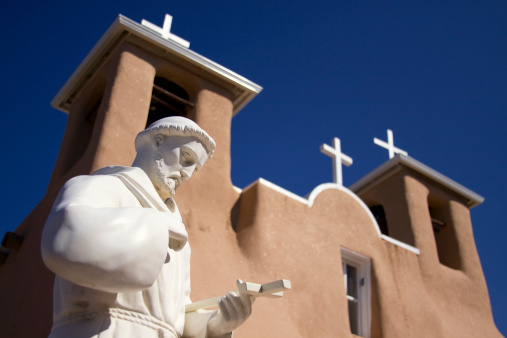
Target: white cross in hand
{"points": [[165, 30], [272, 290], [389, 145], [338, 158]]}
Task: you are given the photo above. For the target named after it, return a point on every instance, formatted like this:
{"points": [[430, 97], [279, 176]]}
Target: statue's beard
{"points": [[165, 186]]}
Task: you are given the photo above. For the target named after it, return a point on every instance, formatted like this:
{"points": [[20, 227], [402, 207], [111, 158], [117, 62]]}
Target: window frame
{"points": [[363, 268]]}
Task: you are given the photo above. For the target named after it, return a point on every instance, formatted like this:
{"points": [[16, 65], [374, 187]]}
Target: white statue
{"points": [[118, 247]]}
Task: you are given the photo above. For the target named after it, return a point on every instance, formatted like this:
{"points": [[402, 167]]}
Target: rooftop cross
{"points": [[338, 158], [165, 30], [389, 145]]}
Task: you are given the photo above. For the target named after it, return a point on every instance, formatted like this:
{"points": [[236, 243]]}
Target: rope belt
{"points": [[165, 330]]}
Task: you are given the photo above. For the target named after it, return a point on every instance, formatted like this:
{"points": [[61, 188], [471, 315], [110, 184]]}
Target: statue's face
{"points": [[176, 159]]}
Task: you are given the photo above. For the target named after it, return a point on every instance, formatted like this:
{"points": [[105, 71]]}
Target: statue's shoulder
{"points": [[106, 184], [95, 190], [94, 184], [106, 175], [95, 181]]}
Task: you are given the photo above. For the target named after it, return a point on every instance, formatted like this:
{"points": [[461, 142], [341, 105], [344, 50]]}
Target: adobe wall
{"points": [[279, 237], [259, 235], [454, 293]]}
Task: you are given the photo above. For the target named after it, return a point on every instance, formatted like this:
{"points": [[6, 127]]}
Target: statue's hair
{"points": [[175, 126]]}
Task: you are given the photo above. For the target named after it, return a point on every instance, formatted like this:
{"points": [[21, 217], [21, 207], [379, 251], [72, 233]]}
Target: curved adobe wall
{"points": [[280, 237], [283, 238]]}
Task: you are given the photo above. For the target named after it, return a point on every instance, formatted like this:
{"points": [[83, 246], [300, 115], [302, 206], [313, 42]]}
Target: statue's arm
{"points": [[92, 241]]}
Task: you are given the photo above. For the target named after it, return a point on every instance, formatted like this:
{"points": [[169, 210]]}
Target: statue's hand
{"points": [[177, 233], [233, 310]]}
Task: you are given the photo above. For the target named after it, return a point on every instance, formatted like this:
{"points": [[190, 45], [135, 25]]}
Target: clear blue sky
{"points": [[435, 72]]}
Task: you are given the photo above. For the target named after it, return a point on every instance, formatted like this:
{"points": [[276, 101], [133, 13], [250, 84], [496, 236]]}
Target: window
{"points": [[380, 216], [356, 275], [444, 231], [167, 99]]}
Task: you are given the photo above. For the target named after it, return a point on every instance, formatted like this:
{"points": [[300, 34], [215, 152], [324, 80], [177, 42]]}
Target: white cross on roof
{"points": [[389, 145], [335, 153], [165, 30]]}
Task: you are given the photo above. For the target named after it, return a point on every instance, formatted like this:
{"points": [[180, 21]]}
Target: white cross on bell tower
{"points": [[165, 30], [335, 153], [389, 145]]}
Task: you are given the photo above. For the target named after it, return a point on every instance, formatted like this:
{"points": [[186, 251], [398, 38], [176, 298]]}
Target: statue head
{"points": [[170, 151], [175, 126]]}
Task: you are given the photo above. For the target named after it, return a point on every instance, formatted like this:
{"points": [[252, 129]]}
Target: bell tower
{"points": [[134, 75]]}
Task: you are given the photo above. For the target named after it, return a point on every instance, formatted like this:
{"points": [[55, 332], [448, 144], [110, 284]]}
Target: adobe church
{"points": [[391, 256]]}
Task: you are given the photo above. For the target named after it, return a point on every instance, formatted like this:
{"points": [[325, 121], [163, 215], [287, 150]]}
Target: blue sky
{"points": [[434, 72]]}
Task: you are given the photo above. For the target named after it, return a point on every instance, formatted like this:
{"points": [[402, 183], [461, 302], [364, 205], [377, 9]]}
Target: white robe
{"points": [[107, 243]]}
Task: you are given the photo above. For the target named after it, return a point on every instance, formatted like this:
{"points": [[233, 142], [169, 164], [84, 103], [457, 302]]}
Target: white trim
{"points": [[363, 266], [388, 168], [320, 188], [123, 27], [282, 191], [400, 244], [326, 186], [352, 298]]}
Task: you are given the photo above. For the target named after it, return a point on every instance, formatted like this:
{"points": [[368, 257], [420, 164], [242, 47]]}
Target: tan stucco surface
{"points": [[261, 235]]}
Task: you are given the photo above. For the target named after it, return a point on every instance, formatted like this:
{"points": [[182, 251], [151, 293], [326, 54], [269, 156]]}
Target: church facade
{"points": [[391, 256]]}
